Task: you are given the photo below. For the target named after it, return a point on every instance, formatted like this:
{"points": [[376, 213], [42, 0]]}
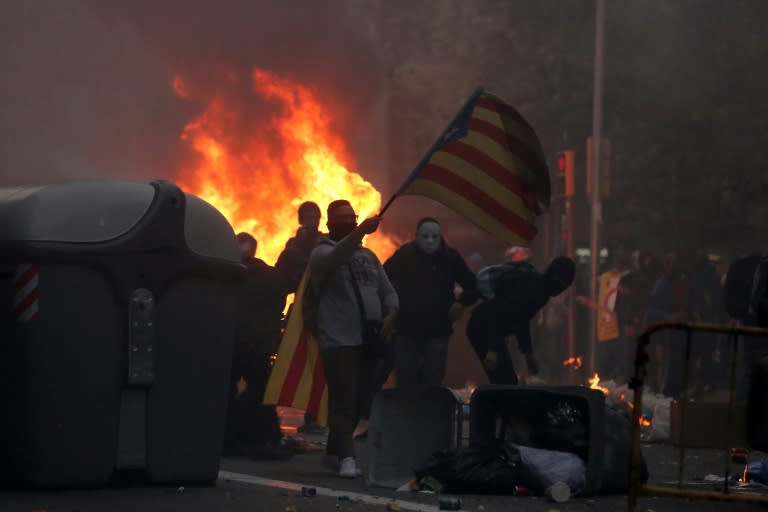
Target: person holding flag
{"points": [[352, 292], [487, 165]]}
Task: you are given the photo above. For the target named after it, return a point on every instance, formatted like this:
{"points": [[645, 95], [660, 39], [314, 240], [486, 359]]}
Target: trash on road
{"points": [[559, 492], [449, 503], [393, 506]]}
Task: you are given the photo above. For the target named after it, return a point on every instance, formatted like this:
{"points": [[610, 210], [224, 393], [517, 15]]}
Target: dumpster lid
{"points": [[82, 212], [99, 211], [207, 231]]}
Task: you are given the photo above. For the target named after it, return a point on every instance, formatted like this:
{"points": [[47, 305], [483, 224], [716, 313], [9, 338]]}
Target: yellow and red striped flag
{"points": [[488, 166], [297, 379]]}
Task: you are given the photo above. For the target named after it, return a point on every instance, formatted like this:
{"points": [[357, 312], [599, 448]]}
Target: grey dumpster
{"points": [[117, 320]]}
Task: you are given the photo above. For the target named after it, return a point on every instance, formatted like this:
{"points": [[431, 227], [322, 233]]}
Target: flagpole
{"points": [[439, 142]]}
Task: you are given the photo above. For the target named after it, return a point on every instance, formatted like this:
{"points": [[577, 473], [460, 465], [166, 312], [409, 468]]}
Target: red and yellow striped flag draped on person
{"points": [[297, 379]]}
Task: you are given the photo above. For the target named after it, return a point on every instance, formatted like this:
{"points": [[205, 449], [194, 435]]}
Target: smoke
{"points": [[87, 84]]}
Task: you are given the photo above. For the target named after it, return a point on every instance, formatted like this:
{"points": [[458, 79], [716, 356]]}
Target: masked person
{"points": [[514, 292], [424, 273], [348, 282], [253, 429]]}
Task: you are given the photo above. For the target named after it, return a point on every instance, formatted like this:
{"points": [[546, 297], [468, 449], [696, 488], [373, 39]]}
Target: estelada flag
{"points": [[297, 379], [488, 166]]}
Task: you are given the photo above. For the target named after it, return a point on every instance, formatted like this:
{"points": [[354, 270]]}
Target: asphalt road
{"points": [[249, 486]]}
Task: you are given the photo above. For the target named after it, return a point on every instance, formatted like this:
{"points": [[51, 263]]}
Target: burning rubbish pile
{"points": [[655, 419]]}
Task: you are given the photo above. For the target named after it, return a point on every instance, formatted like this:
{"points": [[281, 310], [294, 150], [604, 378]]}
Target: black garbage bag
{"points": [[491, 469]]}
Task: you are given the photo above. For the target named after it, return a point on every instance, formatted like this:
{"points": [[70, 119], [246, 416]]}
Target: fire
{"points": [[257, 177], [645, 422], [574, 362], [594, 383]]}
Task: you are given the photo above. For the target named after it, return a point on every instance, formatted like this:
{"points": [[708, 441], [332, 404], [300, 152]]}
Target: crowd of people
{"points": [[371, 319], [668, 288]]}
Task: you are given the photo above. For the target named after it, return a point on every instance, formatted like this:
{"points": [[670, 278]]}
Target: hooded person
{"points": [[253, 429], [513, 293], [293, 260], [292, 263], [348, 282], [425, 273]]}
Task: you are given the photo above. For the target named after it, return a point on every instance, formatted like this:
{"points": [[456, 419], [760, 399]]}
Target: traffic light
{"points": [[565, 161]]}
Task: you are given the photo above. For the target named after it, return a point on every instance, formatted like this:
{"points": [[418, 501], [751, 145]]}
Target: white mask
{"points": [[428, 237]]}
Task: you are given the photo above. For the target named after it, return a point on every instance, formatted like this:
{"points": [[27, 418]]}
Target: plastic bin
{"points": [[407, 427], [118, 313], [569, 419]]}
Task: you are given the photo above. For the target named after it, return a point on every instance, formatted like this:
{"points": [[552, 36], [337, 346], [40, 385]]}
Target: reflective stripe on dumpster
{"points": [[25, 293]]}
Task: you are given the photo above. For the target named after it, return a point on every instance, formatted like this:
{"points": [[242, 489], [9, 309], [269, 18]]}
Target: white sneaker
{"points": [[348, 468], [330, 462]]}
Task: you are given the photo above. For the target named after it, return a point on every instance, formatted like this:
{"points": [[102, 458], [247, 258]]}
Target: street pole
{"points": [[597, 134]]}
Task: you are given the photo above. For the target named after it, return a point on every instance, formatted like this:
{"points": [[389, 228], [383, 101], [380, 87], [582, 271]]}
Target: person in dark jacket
{"points": [[295, 256], [253, 429], [514, 292], [293, 261], [424, 272]]}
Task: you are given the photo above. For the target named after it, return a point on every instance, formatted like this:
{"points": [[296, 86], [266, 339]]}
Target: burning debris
{"points": [[575, 363], [594, 383]]}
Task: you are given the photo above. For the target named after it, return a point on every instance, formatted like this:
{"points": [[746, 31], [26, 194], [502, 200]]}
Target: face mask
{"points": [[428, 237], [338, 231]]}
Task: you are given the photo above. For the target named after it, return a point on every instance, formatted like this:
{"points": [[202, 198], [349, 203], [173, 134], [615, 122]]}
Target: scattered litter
{"points": [[393, 506], [449, 503], [756, 472], [559, 492]]}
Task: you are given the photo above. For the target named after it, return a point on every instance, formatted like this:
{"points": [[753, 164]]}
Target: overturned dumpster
{"points": [[117, 318]]}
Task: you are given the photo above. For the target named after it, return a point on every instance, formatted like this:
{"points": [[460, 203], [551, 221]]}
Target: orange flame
{"points": [[645, 422], [574, 362], [594, 383], [257, 184]]}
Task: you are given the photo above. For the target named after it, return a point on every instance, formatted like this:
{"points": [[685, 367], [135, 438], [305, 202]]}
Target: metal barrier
{"points": [[636, 488]]}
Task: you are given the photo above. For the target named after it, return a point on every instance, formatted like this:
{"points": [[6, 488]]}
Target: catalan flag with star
{"points": [[488, 166]]}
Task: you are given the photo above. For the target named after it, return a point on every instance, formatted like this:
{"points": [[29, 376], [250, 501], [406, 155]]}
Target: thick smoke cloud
{"points": [[86, 84]]}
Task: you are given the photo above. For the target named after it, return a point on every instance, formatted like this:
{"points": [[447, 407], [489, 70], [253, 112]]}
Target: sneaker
{"points": [[330, 462], [348, 468]]}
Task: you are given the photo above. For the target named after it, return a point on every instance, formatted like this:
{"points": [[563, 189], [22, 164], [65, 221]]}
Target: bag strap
{"points": [[358, 296]]}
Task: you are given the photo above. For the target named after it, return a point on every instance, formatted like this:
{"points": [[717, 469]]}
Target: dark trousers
{"points": [[349, 374], [487, 333], [420, 360], [382, 368], [250, 422]]}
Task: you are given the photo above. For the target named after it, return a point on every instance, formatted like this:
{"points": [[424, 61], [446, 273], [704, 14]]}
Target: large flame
{"points": [[258, 180]]}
